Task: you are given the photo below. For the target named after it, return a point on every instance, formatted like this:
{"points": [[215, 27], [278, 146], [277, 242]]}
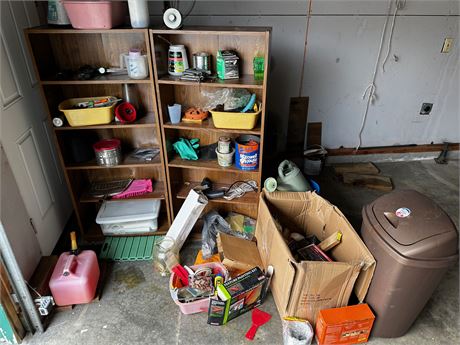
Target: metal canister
{"points": [[202, 61], [223, 145], [108, 152]]}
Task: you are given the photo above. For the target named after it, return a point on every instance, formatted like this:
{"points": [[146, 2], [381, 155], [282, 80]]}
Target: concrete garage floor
{"points": [[136, 307]]}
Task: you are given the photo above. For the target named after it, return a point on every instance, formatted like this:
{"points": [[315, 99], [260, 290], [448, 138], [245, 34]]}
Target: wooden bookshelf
{"points": [[182, 175], [56, 49]]}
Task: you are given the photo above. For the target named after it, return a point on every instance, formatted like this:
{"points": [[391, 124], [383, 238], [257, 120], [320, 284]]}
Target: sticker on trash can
{"points": [[403, 212]]}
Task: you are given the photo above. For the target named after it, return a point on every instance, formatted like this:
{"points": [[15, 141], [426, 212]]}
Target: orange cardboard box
{"points": [[344, 326]]}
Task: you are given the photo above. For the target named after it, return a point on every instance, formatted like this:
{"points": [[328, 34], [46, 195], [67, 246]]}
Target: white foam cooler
{"points": [[128, 216]]}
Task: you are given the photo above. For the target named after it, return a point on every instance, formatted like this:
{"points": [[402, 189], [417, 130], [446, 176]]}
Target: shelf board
{"points": [[49, 29], [108, 79], [215, 30], [144, 122], [249, 198], [245, 81], [128, 162], [206, 165], [157, 193], [208, 125]]}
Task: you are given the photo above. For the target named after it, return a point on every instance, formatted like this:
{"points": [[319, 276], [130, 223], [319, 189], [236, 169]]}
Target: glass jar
{"points": [[164, 251]]}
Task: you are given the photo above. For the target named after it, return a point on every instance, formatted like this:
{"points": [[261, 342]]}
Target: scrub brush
{"points": [[136, 188]]}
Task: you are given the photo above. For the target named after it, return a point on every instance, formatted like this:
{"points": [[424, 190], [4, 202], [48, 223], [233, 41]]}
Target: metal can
{"points": [[247, 152], [108, 152], [223, 145], [202, 61]]}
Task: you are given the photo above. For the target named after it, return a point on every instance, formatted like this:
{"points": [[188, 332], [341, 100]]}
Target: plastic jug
{"points": [[75, 276]]}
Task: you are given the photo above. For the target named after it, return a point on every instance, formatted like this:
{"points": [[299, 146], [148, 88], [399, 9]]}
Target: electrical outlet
{"points": [[426, 108], [448, 42]]}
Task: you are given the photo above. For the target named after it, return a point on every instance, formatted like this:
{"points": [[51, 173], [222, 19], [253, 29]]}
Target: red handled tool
{"points": [[259, 318], [181, 272]]}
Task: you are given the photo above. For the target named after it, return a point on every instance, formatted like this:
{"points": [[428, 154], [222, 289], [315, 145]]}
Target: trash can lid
{"points": [[420, 228]]}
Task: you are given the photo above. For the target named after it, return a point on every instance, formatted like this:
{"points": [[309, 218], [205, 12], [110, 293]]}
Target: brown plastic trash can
{"points": [[413, 242]]}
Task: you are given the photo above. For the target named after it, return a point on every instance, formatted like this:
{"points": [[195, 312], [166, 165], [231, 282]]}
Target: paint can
{"points": [[225, 159], [223, 145], [247, 152], [201, 61], [108, 152]]}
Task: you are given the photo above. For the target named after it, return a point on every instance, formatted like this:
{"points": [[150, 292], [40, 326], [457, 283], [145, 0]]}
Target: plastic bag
{"points": [[297, 331], [230, 98], [214, 223], [240, 222]]}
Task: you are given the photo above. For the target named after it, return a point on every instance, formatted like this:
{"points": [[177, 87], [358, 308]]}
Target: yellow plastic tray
{"points": [[88, 116], [231, 120]]}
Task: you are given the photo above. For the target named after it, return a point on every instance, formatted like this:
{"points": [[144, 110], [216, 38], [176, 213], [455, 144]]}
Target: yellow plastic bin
{"points": [[225, 119], [87, 116]]}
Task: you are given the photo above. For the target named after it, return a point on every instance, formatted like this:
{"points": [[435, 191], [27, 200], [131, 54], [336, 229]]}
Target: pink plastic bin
{"points": [[75, 278], [96, 14], [201, 305]]}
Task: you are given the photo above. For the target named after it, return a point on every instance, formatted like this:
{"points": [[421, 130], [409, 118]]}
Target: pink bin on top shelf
{"points": [[201, 305], [96, 14]]}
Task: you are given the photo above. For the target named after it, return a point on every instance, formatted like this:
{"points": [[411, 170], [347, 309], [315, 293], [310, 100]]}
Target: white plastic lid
{"points": [[127, 211], [177, 47], [134, 52]]}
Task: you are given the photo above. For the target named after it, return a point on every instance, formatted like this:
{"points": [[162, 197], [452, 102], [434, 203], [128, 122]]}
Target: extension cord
{"points": [[45, 305]]}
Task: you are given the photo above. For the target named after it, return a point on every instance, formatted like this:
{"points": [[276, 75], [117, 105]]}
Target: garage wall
{"points": [[342, 47]]}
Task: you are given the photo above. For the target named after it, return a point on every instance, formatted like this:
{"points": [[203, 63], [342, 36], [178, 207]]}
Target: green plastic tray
{"points": [[130, 248]]}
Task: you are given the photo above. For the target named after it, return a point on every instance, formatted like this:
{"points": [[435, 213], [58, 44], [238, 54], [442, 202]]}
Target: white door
{"points": [[16, 221], [26, 135]]}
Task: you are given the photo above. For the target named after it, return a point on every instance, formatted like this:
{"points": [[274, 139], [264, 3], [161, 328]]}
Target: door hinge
{"points": [[31, 221]]}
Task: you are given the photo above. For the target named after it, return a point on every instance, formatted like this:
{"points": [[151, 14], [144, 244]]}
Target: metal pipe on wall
{"points": [[17, 281]]}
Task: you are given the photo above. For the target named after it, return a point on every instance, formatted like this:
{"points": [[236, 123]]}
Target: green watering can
{"points": [[290, 178]]}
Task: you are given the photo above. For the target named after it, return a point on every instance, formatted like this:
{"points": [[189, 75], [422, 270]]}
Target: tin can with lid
{"points": [[223, 145], [108, 152], [202, 61]]}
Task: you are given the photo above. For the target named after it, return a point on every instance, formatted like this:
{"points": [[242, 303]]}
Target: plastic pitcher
{"points": [[75, 276]]}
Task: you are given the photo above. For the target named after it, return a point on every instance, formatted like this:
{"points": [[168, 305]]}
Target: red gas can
{"points": [[75, 277]]}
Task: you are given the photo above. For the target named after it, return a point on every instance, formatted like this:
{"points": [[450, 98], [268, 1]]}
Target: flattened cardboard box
{"points": [[301, 289]]}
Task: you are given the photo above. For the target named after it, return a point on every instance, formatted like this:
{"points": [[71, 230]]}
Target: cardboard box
{"points": [[303, 288], [347, 325], [238, 254], [237, 296]]}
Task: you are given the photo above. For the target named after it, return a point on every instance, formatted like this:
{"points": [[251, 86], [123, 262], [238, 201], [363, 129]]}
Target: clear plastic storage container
{"points": [[128, 216]]}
